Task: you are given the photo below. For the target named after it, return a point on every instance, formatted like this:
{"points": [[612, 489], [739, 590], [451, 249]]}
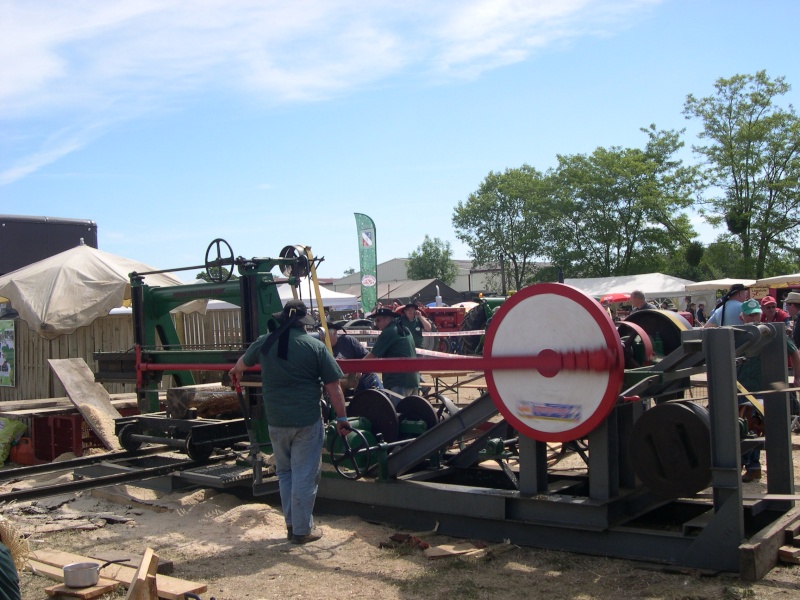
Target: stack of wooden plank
{"points": [[143, 583], [790, 552]]}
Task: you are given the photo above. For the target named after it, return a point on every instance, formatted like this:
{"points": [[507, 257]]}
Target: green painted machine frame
{"points": [[158, 343]]}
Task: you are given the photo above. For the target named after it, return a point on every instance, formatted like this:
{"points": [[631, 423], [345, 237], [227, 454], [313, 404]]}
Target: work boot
{"points": [[289, 535], [749, 476], [311, 536]]}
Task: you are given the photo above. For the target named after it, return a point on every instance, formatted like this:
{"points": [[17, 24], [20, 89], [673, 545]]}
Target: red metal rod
{"points": [[548, 362]]}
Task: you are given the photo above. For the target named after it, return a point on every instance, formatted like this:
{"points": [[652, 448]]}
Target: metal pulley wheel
{"points": [[636, 345], [416, 408], [564, 327], [299, 268], [670, 449], [662, 326], [375, 406]]}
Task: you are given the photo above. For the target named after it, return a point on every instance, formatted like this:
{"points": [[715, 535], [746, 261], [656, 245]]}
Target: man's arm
{"points": [[424, 321], [336, 397], [238, 369]]}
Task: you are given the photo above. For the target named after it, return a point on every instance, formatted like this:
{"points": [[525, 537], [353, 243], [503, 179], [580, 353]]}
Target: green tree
{"points": [[216, 271], [753, 164], [618, 211], [349, 271], [505, 220], [433, 259]]}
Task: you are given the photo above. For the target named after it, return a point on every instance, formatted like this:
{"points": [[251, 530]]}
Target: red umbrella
{"points": [[615, 297]]}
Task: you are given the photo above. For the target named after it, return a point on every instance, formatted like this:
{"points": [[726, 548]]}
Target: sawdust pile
{"points": [[239, 550]]}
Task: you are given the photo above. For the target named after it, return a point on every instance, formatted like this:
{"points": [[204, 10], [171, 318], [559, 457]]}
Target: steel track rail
{"points": [[105, 480], [66, 465]]}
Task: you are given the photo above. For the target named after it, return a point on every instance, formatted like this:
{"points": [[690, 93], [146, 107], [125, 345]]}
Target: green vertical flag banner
{"points": [[368, 257]]}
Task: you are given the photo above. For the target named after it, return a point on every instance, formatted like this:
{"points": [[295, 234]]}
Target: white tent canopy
{"points": [[717, 284], [779, 281], [330, 299], [654, 285], [68, 290]]}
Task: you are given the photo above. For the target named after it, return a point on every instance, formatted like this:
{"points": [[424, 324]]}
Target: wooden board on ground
{"points": [[143, 584], [165, 567], [789, 554], [91, 398], [445, 550], [760, 553], [93, 591], [104, 586], [170, 588]]}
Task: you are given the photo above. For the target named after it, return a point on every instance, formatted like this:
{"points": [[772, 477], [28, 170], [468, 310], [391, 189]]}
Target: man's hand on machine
{"points": [[236, 372], [343, 426]]}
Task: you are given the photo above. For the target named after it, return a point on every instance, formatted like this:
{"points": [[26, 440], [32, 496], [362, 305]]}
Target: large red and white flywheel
{"points": [[573, 396]]}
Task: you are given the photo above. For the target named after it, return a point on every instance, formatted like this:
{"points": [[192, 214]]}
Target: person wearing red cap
{"points": [[770, 313]]}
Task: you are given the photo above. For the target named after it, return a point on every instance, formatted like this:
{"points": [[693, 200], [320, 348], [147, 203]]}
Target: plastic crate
{"points": [[54, 435]]}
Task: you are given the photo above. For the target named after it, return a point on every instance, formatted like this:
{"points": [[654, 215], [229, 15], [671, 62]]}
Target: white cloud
{"points": [[87, 61]]}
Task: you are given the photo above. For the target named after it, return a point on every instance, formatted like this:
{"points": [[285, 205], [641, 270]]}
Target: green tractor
{"points": [[476, 319]]}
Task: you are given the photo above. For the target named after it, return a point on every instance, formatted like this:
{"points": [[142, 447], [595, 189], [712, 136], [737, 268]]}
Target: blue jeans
{"points": [[369, 381], [298, 458]]}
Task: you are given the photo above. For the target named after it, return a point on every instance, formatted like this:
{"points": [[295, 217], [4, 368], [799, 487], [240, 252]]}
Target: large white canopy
{"points": [[717, 284], [330, 299], [63, 292], [654, 285], [779, 281]]}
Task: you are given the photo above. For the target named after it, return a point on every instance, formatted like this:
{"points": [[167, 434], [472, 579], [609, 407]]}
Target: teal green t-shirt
{"points": [[391, 344], [749, 372], [415, 327], [292, 388]]}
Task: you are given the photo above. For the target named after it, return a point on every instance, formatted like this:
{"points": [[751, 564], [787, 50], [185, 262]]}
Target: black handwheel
{"points": [[350, 454], [196, 452], [447, 408], [218, 276], [125, 437]]}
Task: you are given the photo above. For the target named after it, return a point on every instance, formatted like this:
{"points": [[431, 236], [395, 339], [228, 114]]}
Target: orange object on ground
{"points": [[22, 452]]}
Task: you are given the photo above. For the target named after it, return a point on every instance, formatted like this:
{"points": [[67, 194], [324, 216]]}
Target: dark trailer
{"points": [[25, 240]]}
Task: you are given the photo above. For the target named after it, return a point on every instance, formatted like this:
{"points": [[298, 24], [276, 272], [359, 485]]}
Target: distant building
{"points": [[26, 240], [469, 282]]}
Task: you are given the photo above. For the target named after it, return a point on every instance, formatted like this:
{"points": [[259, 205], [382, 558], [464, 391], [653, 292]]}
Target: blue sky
{"points": [[270, 123]]}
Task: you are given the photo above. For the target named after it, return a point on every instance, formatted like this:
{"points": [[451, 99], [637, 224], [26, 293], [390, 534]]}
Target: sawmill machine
{"points": [[660, 478], [159, 350]]}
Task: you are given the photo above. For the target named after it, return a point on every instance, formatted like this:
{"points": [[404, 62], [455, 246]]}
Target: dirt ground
{"points": [[238, 549]]}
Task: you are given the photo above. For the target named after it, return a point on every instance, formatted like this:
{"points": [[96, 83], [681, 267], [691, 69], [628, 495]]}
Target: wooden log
{"points": [[211, 401]]}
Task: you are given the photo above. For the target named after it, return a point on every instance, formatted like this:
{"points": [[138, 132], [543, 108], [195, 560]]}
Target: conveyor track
{"points": [[129, 475]]}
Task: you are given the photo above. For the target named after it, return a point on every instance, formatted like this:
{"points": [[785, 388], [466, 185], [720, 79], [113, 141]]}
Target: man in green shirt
{"points": [[294, 368], [395, 341], [412, 319]]}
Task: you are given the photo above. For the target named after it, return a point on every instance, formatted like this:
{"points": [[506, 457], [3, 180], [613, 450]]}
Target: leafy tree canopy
{"points": [[618, 211], [216, 271], [752, 150], [433, 259], [505, 220]]}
